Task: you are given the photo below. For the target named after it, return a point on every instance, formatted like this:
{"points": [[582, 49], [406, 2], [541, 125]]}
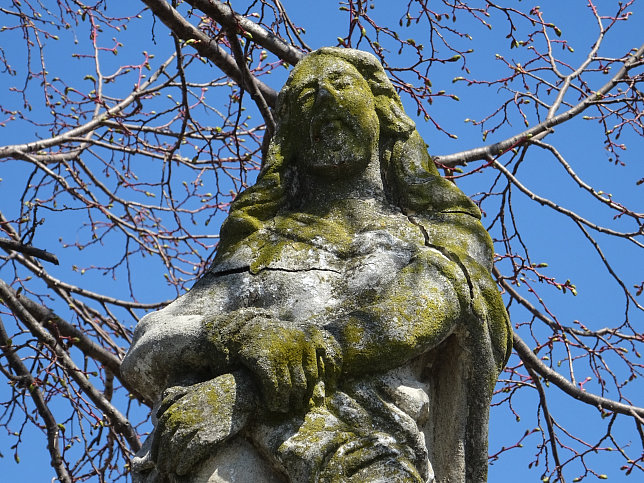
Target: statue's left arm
{"points": [[430, 299]]}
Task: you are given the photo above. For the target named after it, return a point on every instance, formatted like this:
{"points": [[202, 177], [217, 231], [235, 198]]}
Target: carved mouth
{"points": [[324, 128]]}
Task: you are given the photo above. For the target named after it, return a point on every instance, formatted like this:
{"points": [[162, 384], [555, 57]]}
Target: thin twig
{"points": [[119, 422], [546, 413], [206, 46], [529, 358], [41, 406], [225, 16], [524, 137], [16, 246]]}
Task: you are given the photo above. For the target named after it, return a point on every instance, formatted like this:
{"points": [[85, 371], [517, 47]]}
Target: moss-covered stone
{"points": [[351, 294]]}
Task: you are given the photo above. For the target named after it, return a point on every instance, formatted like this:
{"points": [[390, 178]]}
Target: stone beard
{"points": [[349, 329]]}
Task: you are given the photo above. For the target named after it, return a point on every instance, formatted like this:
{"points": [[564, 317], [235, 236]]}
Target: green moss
{"points": [[353, 334], [445, 292], [250, 211], [178, 416], [290, 237], [315, 67], [262, 223], [203, 400]]}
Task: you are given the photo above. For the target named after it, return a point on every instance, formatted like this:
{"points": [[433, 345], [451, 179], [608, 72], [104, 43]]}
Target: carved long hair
{"points": [[403, 153]]}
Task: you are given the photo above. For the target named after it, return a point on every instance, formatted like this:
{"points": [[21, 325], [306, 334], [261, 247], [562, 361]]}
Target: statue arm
{"points": [[421, 308], [166, 348], [287, 358], [416, 312]]}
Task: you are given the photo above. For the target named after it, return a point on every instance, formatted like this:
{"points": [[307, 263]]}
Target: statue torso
{"points": [[305, 263]]}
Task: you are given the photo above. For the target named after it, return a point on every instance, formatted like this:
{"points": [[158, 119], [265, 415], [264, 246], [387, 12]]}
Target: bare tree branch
{"points": [[225, 16], [206, 47], [529, 358], [57, 327], [28, 381], [574, 216], [8, 244], [496, 149], [119, 422], [546, 414], [139, 161], [249, 82], [19, 150], [547, 320]]}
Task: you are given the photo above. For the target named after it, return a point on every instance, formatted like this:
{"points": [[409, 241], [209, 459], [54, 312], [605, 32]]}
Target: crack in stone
{"points": [[297, 270], [246, 269], [446, 253], [231, 271], [450, 212]]}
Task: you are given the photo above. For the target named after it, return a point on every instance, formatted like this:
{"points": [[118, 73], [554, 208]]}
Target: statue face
{"points": [[332, 117]]}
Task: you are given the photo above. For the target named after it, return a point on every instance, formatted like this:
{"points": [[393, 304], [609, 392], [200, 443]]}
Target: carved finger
{"points": [[310, 365], [283, 388], [332, 359], [319, 355], [174, 451], [299, 386], [365, 452], [267, 378], [333, 364], [159, 437], [161, 447], [170, 396], [192, 453]]}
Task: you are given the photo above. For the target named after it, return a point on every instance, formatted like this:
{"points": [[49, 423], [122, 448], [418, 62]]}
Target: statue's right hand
{"points": [[193, 420], [289, 360]]}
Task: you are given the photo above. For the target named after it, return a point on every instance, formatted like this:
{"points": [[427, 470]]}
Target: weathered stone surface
{"points": [[349, 328]]}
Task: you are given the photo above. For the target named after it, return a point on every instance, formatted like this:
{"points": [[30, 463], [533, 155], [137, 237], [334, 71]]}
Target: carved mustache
{"points": [[334, 121]]}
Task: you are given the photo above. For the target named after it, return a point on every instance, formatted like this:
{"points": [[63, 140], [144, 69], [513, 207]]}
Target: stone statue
{"points": [[348, 329]]}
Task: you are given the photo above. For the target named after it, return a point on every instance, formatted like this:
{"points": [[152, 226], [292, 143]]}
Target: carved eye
{"points": [[305, 95], [343, 83]]}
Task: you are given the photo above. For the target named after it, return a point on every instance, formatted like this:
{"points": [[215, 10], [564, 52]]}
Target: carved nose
{"points": [[324, 94]]}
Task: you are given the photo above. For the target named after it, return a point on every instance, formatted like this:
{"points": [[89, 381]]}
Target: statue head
{"points": [[332, 113], [337, 114], [331, 117]]}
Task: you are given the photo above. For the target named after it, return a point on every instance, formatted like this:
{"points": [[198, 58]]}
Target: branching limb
{"points": [[287, 21], [58, 284], [119, 422], [496, 149], [16, 150], [249, 81], [548, 417], [608, 266], [582, 184], [574, 216], [28, 381], [548, 321], [530, 359], [59, 327], [206, 46], [16, 246], [567, 80], [225, 16]]}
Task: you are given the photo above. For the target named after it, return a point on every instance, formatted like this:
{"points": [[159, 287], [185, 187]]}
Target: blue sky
{"points": [[552, 238]]}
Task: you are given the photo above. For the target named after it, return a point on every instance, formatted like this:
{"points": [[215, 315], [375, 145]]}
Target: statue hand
{"points": [[288, 360], [193, 420]]}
